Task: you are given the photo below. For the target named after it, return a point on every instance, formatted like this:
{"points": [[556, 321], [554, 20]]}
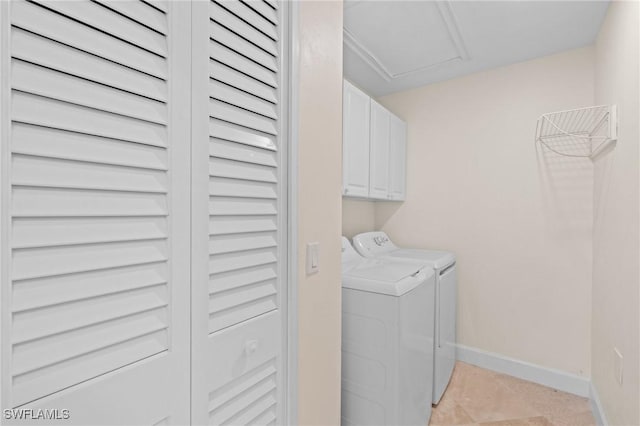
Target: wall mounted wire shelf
{"points": [[581, 132]]}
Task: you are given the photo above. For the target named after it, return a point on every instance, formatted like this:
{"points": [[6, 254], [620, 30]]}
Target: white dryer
{"points": [[386, 337], [378, 245]]}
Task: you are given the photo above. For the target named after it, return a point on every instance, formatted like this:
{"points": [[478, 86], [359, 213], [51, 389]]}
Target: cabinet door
{"points": [[355, 142], [95, 210], [397, 158], [379, 152]]}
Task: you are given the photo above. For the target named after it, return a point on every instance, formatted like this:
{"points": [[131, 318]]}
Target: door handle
{"points": [[250, 346]]}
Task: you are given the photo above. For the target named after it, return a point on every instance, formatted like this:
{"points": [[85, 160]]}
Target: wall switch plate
{"points": [[313, 258], [617, 364]]}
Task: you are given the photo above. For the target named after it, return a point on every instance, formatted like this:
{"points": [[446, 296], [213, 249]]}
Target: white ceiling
{"points": [[391, 46]]}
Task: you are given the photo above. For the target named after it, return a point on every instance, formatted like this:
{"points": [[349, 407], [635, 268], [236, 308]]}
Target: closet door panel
{"points": [[240, 213], [95, 175]]}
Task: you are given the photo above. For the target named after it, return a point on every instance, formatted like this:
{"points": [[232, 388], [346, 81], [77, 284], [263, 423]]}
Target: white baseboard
{"points": [[596, 407], [549, 377]]}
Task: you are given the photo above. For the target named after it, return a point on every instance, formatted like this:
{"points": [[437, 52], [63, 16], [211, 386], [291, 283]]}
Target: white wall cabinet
{"points": [[374, 149], [355, 146], [397, 158], [379, 154]]}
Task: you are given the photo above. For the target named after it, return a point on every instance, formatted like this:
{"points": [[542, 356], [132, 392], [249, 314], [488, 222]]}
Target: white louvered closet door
{"points": [[95, 223], [240, 205]]}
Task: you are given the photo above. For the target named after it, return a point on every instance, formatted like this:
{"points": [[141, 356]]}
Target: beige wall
{"points": [[357, 216], [616, 252], [319, 210], [519, 219]]}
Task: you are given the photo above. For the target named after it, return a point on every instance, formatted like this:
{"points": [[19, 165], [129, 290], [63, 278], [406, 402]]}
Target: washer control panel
{"points": [[370, 244], [380, 240]]}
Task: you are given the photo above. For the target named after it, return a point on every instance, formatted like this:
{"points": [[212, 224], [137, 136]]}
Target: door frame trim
{"points": [[199, 168], [5, 213], [293, 48]]}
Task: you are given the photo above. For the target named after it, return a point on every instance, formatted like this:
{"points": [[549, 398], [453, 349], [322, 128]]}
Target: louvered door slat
{"points": [[227, 300], [238, 152], [54, 202], [243, 29], [49, 291], [223, 55], [161, 5], [237, 261], [66, 374], [64, 30], [54, 232], [60, 114], [53, 143], [63, 348], [263, 9], [51, 84], [95, 157], [272, 3], [237, 313], [226, 73], [140, 12], [223, 282], [246, 241], [233, 96], [33, 326], [233, 133], [221, 225], [247, 14], [96, 16], [229, 413], [241, 117], [220, 187], [49, 172], [243, 384], [241, 170], [264, 403], [221, 206], [44, 262], [57, 56], [244, 47]]}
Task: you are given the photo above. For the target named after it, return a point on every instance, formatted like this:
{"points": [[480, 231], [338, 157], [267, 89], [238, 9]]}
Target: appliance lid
{"points": [[436, 258], [392, 277], [387, 271], [378, 243], [389, 278]]}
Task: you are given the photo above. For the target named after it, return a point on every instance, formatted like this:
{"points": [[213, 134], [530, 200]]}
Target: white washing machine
{"points": [[386, 337], [378, 245]]}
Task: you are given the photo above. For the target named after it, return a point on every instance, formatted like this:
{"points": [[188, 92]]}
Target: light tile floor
{"points": [[476, 396]]}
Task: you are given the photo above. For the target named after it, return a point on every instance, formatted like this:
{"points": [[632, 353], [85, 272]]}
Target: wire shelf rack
{"points": [[581, 132]]}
